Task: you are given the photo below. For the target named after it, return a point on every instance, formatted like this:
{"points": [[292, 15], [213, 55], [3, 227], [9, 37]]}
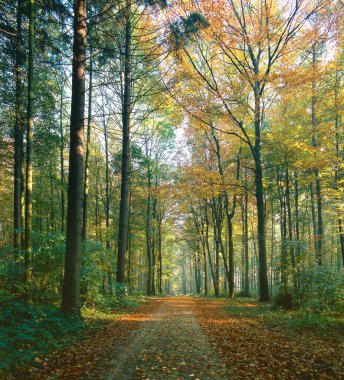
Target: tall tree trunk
{"points": [[247, 263], [291, 244], [126, 111], [207, 245], [217, 264], [148, 233], [200, 231], [339, 158], [62, 175], [283, 229], [205, 268], [87, 154], [107, 202], [314, 220], [297, 223], [272, 255], [160, 254], [263, 271], [71, 281], [29, 137], [319, 231], [18, 135], [153, 247]]}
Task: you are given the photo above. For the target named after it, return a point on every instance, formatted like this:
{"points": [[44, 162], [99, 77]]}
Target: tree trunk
{"points": [[297, 222], [29, 137], [207, 245], [107, 202], [126, 111], [62, 175], [290, 222], [71, 281], [160, 256], [217, 265], [338, 157], [319, 232], [247, 264], [148, 234], [314, 220], [87, 154], [263, 272], [18, 135]]}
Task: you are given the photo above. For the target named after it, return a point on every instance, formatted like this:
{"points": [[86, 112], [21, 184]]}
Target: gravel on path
{"points": [[169, 344]]}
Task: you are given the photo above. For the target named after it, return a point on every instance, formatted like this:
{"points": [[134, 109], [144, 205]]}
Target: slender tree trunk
{"points": [[205, 268], [338, 157], [263, 272], [107, 203], [319, 231], [207, 245], [87, 154], [62, 175], [148, 234], [18, 135], [272, 247], [291, 244], [153, 248], [199, 224], [217, 264], [29, 138], [314, 220], [297, 222], [160, 255], [247, 263], [126, 111], [71, 282], [283, 229]]}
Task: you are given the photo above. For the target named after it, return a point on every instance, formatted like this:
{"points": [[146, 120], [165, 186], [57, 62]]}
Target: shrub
{"points": [[27, 331], [285, 300], [322, 289]]}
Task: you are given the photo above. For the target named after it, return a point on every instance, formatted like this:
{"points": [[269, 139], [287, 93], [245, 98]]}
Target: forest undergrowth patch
{"points": [[37, 339]]}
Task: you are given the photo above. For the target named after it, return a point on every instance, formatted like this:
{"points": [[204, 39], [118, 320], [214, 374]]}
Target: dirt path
{"points": [[170, 344]]}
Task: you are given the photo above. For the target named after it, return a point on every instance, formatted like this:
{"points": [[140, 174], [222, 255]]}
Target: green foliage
{"points": [[290, 320], [321, 289], [194, 23], [91, 270], [28, 330], [186, 28]]}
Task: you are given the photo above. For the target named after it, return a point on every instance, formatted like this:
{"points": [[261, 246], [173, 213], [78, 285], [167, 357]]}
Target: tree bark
{"points": [[87, 154], [126, 111], [247, 264], [62, 175], [29, 138], [263, 273], [319, 231], [18, 135], [71, 282]]}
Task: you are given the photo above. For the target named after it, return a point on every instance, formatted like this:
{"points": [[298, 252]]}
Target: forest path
{"points": [[169, 344]]}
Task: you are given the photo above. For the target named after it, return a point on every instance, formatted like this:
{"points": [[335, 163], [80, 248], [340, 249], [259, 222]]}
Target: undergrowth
{"points": [[30, 331], [290, 320]]}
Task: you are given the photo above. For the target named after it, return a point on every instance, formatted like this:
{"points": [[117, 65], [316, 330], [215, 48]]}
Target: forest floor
{"points": [[200, 338]]}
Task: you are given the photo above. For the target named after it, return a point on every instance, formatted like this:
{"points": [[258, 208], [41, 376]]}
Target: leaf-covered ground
{"points": [[194, 338], [260, 344]]}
